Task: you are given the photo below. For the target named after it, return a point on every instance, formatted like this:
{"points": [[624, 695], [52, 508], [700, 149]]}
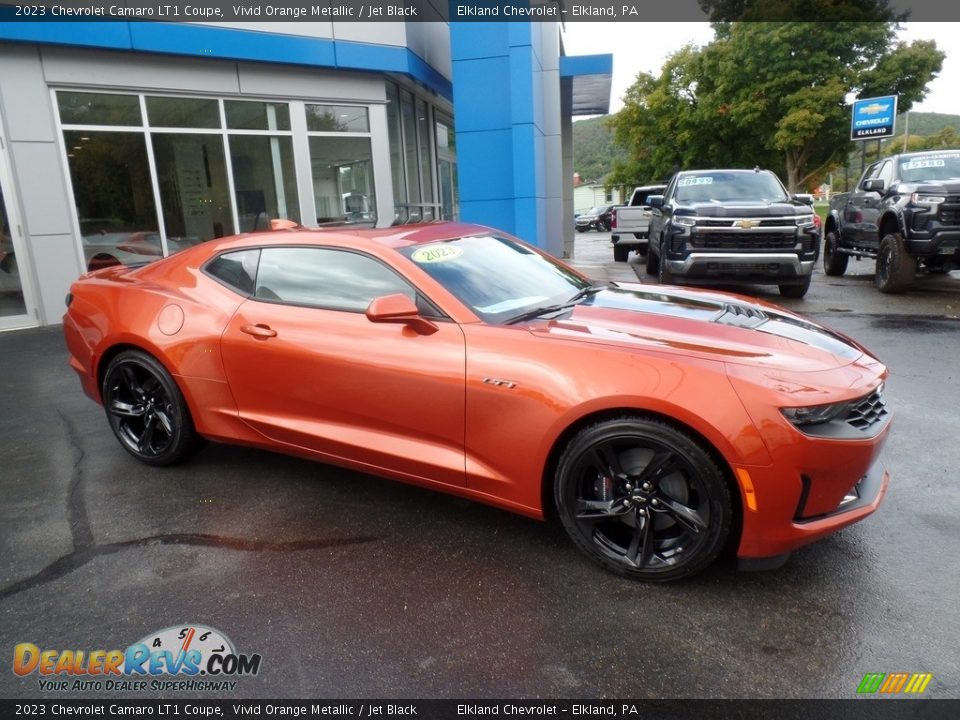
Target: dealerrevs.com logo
{"points": [[182, 657]]}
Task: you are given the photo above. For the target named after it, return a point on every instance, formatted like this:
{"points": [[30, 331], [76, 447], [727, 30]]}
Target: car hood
{"points": [[951, 187], [710, 325], [715, 208]]}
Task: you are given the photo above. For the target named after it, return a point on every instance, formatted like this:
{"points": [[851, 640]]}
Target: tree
{"points": [[768, 93]]}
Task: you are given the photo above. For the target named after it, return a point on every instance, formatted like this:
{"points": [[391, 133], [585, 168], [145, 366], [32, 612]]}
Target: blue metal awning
{"points": [[591, 77]]}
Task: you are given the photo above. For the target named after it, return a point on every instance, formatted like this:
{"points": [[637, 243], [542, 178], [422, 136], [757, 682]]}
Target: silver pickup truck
{"points": [[630, 223]]}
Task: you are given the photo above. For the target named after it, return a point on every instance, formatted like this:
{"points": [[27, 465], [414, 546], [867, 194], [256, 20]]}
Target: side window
{"points": [[886, 174], [327, 278], [870, 173], [237, 270]]}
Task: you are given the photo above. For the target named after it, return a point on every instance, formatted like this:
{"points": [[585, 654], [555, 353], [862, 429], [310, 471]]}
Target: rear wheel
{"points": [[147, 411], [895, 268], [621, 253], [834, 262], [643, 499], [796, 291]]}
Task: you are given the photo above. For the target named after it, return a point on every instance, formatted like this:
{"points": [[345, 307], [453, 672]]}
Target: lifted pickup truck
{"points": [[732, 226], [630, 223], [905, 212]]}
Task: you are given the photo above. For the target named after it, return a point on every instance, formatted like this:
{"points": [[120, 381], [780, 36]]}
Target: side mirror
{"points": [[804, 198], [401, 309], [873, 185], [655, 201]]}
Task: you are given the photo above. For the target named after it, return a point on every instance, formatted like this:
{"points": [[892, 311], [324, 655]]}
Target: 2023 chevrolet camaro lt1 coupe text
{"points": [[661, 424]]}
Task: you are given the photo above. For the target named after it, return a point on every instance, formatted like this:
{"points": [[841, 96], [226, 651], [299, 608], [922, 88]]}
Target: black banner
{"points": [[859, 709], [566, 11]]}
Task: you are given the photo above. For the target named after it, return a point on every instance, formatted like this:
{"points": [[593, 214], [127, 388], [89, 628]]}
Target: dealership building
{"points": [[127, 141]]}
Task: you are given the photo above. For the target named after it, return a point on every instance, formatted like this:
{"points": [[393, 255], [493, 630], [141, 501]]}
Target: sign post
{"points": [[873, 119]]}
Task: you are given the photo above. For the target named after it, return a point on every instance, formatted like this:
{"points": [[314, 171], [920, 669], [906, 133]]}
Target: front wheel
{"points": [[796, 291], [653, 262], [663, 275], [643, 499], [834, 262], [621, 253], [146, 410], [895, 268]]}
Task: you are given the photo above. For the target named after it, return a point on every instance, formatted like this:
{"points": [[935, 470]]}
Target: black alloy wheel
{"points": [[643, 499], [146, 410], [895, 268], [834, 262]]}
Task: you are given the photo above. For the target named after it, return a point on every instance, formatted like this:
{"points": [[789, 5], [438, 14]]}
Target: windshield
{"points": [[731, 186], [940, 166], [496, 278]]}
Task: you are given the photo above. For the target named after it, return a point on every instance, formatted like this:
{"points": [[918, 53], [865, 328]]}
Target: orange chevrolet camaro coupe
{"points": [[660, 424]]}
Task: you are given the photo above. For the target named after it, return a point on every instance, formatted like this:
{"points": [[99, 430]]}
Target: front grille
{"points": [[868, 412], [724, 223], [742, 241], [949, 213]]}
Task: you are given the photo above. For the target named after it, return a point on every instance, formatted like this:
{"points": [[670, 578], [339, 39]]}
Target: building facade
{"points": [[122, 142]]}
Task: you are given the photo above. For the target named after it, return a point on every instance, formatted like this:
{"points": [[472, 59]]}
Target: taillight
{"points": [[613, 220]]}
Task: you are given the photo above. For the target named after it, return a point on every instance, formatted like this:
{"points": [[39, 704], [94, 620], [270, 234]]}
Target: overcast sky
{"points": [[640, 47]]}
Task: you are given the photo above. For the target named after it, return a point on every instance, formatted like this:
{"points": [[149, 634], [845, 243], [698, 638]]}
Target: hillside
{"points": [[594, 151], [593, 148]]}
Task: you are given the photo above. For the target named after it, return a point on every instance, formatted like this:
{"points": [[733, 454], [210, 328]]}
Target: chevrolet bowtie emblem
{"points": [[746, 224]]}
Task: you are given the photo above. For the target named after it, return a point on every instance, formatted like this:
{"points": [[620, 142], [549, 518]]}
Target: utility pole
{"points": [[906, 129]]}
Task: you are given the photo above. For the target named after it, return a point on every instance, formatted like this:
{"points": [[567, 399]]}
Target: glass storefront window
{"points": [[264, 180], [177, 112], [337, 118], [343, 179], [447, 166], [11, 291], [114, 197], [98, 109], [423, 146], [396, 152], [247, 115], [194, 195]]}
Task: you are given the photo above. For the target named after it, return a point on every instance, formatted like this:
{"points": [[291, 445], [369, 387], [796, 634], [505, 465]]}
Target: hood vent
{"points": [[741, 316]]}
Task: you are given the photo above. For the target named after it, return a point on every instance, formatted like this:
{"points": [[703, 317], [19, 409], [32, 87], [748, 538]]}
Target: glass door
{"points": [[16, 307]]}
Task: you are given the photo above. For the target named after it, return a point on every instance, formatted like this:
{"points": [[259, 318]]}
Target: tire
{"points": [[582, 229], [653, 262], [146, 410], [895, 268], [621, 253], [664, 276], [834, 263], [674, 482], [796, 291]]}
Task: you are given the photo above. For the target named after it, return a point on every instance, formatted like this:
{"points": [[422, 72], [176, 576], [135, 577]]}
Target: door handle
{"points": [[259, 331]]}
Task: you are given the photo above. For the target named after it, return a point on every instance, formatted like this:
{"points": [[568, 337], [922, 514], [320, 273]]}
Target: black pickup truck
{"points": [[905, 212], [732, 226]]}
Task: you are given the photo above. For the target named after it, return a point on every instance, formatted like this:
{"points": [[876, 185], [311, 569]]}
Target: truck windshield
{"points": [[731, 186], [939, 166]]}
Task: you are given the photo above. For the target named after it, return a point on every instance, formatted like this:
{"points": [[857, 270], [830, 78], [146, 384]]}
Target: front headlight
{"points": [[804, 220], [925, 199], [685, 220], [814, 414]]}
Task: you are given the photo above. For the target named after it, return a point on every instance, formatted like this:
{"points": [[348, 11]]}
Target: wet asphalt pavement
{"points": [[352, 586]]}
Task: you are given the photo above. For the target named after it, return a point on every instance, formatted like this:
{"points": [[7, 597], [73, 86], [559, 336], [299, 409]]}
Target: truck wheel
{"points": [[834, 263], [895, 268], [653, 263], [663, 275], [621, 253], [796, 291]]}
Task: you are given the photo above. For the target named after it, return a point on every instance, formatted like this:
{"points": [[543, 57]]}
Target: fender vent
{"points": [[741, 316]]}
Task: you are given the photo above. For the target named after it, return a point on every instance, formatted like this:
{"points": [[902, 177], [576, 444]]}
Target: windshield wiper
{"points": [[547, 309]]}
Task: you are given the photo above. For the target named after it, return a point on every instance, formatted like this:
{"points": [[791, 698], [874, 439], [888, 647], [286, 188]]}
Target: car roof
{"points": [[739, 171], [394, 237], [925, 153]]}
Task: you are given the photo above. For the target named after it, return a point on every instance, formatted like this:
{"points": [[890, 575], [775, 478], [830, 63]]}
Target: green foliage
{"points": [[593, 148], [766, 93]]}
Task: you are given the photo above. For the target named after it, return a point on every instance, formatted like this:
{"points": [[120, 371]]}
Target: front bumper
{"points": [[755, 267]]}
